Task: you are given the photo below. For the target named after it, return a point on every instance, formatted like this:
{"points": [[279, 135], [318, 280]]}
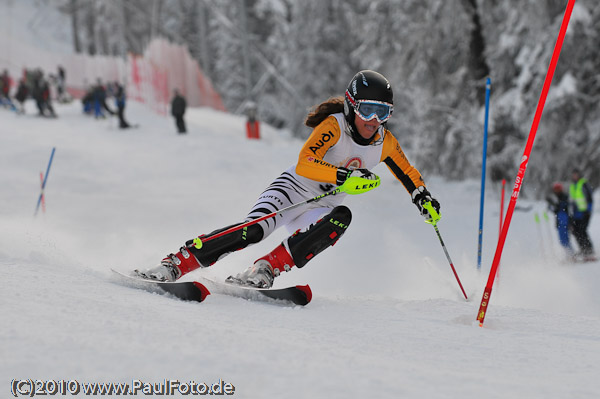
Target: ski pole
{"points": [[44, 182], [435, 217], [353, 185]]}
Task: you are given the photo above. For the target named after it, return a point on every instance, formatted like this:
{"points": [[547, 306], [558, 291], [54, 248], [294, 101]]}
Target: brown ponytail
{"points": [[318, 114]]}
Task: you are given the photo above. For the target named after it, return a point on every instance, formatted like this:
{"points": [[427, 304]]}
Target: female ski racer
{"points": [[349, 138]]}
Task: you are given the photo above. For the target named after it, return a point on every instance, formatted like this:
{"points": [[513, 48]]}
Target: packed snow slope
{"points": [[387, 319]]}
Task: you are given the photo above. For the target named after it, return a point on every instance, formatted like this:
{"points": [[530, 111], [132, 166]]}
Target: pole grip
{"points": [[434, 216]]}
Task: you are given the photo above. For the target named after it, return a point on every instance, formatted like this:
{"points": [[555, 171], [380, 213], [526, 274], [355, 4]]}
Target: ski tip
{"points": [[307, 291], [204, 292]]}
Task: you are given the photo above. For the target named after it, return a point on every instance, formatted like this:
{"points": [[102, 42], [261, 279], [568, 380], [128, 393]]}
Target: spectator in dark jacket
{"points": [[37, 90], [46, 99], [99, 96], [120, 101], [178, 105], [41, 94], [60, 85], [21, 96]]}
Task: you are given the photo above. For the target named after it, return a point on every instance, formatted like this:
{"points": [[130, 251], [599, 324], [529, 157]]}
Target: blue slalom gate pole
{"points": [[45, 180], [488, 84]]}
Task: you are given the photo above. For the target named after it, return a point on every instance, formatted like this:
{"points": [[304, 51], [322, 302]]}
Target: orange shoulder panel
{"points": [[310, 162]]}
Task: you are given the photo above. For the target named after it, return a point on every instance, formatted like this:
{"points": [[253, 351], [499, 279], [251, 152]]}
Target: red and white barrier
{"points": [[149, 78]]}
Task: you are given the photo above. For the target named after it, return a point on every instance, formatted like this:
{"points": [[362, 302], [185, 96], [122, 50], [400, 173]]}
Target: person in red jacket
{"points": [[349, 138], [5, 83]]}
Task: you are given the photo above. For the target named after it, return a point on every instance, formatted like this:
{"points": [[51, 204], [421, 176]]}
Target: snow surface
{"points": [[387, 319]]}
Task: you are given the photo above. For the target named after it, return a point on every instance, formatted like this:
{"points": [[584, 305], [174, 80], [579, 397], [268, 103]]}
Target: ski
{"points": [[198, 291], [295, 295], [585, 259], [184, 290]]}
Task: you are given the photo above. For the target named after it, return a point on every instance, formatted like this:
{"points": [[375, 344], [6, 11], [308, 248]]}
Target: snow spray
{"points": [[536, 216], [524, 160]]}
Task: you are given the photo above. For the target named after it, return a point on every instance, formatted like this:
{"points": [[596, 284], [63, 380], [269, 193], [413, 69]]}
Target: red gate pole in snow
{"points": [[524, 160], [501, 206]]}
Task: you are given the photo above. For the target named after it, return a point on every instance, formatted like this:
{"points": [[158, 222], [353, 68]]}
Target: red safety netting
{"points": [[149, 78]]}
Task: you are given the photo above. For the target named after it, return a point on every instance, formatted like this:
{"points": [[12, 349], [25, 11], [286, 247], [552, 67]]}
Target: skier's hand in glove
{"points": [[344, 174], [356, 181], [420, 197]]}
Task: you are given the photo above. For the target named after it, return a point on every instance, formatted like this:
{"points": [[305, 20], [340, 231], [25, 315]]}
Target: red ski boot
{"points": [[262, 273]]}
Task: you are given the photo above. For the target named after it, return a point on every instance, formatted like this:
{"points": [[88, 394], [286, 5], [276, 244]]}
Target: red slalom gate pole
{"points": [[501, 205], [524, 160]]}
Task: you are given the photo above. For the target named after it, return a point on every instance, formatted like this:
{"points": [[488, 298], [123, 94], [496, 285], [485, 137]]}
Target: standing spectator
{"points": [[41, 93], [178, 105], [37, 91], [580, 195], [99, 96], [21, 96], [4, 84], [5, 90], [88, 99], [60, 85], [46, 99], [558, 202], [120, 100]]}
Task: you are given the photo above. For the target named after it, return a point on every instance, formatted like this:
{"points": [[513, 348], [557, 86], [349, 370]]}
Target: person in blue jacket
{"points": [[99, 101], [558, 202]]}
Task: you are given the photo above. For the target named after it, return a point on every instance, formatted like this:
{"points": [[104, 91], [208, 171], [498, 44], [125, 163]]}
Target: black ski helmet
{"points": [[365, 85]]}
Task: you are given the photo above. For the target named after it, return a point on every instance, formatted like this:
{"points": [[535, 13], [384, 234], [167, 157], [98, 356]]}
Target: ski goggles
{"points": [[369, 109]]}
